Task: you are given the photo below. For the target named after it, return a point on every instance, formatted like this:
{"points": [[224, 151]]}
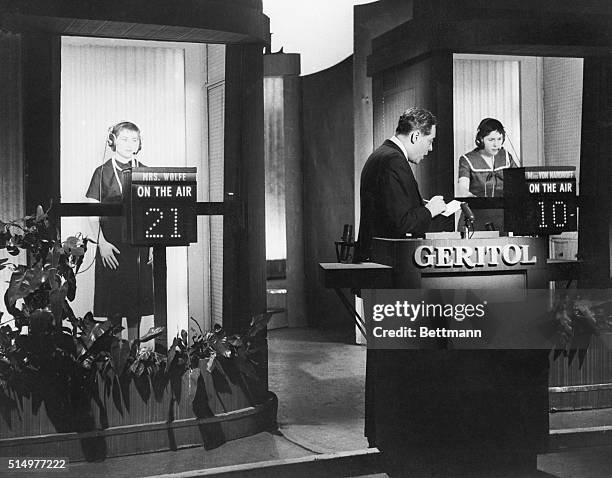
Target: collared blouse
{"points": [[485, 181]]}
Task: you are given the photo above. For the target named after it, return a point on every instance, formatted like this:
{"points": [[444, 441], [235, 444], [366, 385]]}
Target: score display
{"points": [[160, 206], [540, 200]]}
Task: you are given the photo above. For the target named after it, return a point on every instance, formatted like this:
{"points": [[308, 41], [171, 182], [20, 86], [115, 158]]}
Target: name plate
{"points": [[540, 200], [160, 206]]}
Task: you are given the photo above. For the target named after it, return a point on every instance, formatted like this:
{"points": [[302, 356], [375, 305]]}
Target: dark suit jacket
{"points": [[391, 204]]}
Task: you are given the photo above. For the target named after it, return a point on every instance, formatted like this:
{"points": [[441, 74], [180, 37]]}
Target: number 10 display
{"points": [[540, 200]]}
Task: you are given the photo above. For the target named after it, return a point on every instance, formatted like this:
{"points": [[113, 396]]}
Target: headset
{"points": [[485, 127], [488, 125], [114, 130], [111, 138]]}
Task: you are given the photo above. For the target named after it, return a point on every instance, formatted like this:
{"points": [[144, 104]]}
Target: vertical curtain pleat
{"points": [[216, 108], [12, 199], [11, 152], [101, 86], [276, 235], [485, 89], [216, 158]]}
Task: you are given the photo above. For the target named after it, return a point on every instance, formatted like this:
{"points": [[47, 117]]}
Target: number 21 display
{"points": [[160, 206]]}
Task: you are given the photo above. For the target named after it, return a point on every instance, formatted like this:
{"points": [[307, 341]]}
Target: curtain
{"points": [[485, 89], [276, 234], [12, 200], [105, 82]]}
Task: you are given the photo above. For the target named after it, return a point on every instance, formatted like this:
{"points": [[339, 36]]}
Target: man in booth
{"points": [[391, 204]]}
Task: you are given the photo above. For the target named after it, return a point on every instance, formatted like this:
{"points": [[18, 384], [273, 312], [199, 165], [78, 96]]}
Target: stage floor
{"points": [[318, 377]]}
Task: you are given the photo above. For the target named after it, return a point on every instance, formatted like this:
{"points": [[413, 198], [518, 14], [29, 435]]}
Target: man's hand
{"points": [[107, 253], [436, 205]]}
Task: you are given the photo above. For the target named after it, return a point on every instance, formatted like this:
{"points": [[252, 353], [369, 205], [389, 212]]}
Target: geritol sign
{"points": [[442, 256]]}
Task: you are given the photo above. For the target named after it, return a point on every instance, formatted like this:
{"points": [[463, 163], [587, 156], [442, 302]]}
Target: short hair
{"points": [[415, 119], [117, 128], [486, 127]]}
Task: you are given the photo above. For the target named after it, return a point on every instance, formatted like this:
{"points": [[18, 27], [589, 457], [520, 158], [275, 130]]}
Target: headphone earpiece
{"points": [[112, 138], [485, 127], [479, 142]]}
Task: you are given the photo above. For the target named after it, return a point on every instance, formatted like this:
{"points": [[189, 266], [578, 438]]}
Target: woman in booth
{"points": [[481, 170], [123, 282]]}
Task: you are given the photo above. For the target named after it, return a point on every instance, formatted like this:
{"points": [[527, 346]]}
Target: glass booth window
{"points": [[141, 103]]}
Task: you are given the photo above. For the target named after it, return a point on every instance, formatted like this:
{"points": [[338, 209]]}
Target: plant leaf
{"points": [[56, 304], [97, 331], [119, 353], [23, 282], [40, 213], [222, 348], [246, 367], [41, 321], [153, 333], [259, 322], [171, 354], [211, 362], [194, 375]]}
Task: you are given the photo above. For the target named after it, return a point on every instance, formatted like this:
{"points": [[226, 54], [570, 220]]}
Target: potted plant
{"points": [[74, 365]]}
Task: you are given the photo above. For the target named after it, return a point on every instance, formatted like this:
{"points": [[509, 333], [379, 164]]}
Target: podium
{"points": [[515, 262], [479, 407]]}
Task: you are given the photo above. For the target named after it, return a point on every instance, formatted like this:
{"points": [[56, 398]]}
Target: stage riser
{"points": [[125, 421], [145, 438], [597, 369]]}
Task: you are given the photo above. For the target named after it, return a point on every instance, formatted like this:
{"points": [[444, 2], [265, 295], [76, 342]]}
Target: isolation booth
{"points": [[428, 388]]}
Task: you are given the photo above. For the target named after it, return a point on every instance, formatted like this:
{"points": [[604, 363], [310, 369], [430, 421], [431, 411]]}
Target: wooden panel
{"points": [[597, 369], [11, 153], [134, 402], [399, 254], [327, 112], [595, 227], [145, 438], [244, 274], [41, 118], [134, 417], [361, 276], [206, 21], [485, 31], [294, 201], [426, 83], [12, 200], [594, 241]]}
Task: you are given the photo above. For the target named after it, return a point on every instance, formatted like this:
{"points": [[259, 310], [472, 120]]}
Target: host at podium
{"points": [[441, 412], [391, 204]]}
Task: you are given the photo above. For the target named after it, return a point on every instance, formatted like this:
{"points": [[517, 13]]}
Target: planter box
{"points": [[136, 416]]}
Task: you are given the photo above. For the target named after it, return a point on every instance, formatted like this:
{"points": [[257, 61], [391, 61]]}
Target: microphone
{"points": [[467, 212], [347, 233]]}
